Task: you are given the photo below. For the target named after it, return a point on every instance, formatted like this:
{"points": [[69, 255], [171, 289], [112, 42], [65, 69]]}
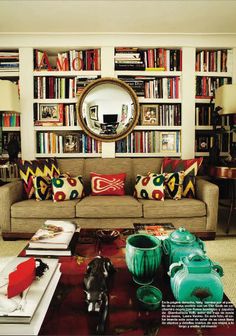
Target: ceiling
{"points": [[166, 16]]}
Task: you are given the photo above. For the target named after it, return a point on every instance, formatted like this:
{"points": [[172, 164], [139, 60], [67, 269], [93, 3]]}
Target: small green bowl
{"points": [[149, 297]]}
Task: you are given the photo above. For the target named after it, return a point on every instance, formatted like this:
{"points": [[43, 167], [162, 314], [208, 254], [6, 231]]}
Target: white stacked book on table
{"points": [[55, 237], [28, 318]]}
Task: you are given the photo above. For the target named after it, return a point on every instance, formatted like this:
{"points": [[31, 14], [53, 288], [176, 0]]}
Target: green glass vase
{"points": [[143, 257]]}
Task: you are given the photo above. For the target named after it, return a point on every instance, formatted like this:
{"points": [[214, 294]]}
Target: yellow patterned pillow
{"points": [[174, 185]]}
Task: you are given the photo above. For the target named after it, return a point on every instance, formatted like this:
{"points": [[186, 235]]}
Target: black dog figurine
{"points": [[95, 282]]}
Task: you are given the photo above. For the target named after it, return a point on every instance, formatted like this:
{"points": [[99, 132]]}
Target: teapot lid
{"points": [[182, 236], [197, 263]]}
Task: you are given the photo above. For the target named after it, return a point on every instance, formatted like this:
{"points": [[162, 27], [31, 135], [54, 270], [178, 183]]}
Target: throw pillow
{"points": [[42, 187], [28, 169], [190, 168], [67, 188], [108, 184], [174, 185], [150, 187]]}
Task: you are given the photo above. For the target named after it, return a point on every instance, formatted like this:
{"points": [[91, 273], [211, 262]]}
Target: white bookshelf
{"points": [[107, 42]]}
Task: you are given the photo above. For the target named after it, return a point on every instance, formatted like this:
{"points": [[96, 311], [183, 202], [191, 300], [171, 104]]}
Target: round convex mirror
{"points": [[108, 109]]}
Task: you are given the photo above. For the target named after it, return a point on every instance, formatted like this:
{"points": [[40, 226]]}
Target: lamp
{"points": [[9, 102], [225, 104]]}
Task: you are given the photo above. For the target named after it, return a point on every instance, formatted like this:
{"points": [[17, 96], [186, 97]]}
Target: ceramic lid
{"points": [[182, 236]]}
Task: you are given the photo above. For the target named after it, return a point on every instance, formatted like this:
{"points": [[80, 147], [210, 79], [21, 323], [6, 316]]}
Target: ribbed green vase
{"points": [[143, 257]]}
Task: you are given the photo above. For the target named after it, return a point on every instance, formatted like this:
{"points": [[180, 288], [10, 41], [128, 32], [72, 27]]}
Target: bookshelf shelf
{"points": [[159, 100], [157, 128], [82, 73], [156, 154], [58, 128], [68, 155]]}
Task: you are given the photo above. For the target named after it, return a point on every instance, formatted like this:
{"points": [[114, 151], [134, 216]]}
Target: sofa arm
{"points": [[209, 194], [10, 193]]}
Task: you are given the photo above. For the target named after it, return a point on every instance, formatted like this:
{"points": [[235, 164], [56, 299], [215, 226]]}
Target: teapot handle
{"points": [[196, 257], [166, 246], [201, 244], [216, 267], [174, 268]]}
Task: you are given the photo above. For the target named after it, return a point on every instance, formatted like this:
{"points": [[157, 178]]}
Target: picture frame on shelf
{"points": [[168, 142], [49, 112], [93, 112], [70, 143], [149, 115]]}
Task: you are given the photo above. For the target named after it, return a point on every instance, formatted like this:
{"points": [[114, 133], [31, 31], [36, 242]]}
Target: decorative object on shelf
{"points": [[181, 243], [101, 109], [9, 102], [149, 297], [143, 257], [196, 279], [95, 282], [225, 104]]}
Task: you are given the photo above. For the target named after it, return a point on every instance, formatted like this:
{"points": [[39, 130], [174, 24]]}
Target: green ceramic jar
{"points": [[197, 279], [143, 257]]}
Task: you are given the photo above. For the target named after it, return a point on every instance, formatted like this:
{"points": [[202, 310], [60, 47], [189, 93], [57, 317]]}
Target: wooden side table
{"points": [[227, 173]]}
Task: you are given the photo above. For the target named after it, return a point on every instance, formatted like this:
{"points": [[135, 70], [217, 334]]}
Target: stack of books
{"points": [[23, 314], [54, 238]]}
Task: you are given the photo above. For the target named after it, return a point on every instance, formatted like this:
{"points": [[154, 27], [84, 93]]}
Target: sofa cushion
{"points": [[170, 208], [46, 209], [174, 185], [150, 187], [108, 166], [104, 184], [42, 187], [43, 167], [109, 206], [67, 188], [190, 168]]}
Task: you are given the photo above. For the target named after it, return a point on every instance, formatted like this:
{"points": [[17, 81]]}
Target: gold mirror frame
{"points": [[134, 110]]}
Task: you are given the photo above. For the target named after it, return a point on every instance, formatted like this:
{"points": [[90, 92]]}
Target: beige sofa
{"points": [[22, 217]]}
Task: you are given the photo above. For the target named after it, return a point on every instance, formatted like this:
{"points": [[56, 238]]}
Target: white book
{"points": [[34, 326], [54, 234], [36, 290]]}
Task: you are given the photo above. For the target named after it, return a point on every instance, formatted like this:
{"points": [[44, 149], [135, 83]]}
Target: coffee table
{"points": [[67, 313]]}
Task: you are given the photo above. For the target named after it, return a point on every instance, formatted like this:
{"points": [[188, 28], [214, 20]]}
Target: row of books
{"points": [[148, 59], [71, 60], [66, 115], [83, 81], [10, 120], [203, 116], [204, 141], [161, 114], [52, 143], [47, 87], [213, 60], [155, 87], [206, 86], [147, 142], [9, 61]]}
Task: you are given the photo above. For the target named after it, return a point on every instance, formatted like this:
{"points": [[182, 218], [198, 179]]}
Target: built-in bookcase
{"points": [[155, 75], [10, 122], [214, 67], [173, 82], [59, 78]]}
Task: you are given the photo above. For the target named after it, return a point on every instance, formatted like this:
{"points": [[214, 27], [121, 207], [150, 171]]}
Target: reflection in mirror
{"points": [[108, 109]]}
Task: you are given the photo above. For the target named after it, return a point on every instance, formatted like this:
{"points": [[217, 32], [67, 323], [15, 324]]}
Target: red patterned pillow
{"points": [[190, 168], [108, 184]]}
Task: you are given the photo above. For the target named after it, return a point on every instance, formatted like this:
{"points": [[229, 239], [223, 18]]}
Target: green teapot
{"points": [[181, 243], [196, 278]]}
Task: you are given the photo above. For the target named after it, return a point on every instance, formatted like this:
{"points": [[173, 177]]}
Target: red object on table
{"points": [[21, 278]]}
